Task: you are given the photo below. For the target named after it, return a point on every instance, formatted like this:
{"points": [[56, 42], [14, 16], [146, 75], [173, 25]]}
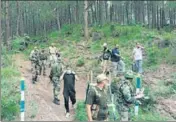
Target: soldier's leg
{"points": [[66, 102], [44, 67], [121, 66], [124, 116], [34, 74], [32, 66], [114, 64], [72, 97], [56, 91]]}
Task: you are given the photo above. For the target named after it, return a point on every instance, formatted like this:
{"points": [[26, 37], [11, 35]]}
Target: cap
{"points": [[101, 77]]}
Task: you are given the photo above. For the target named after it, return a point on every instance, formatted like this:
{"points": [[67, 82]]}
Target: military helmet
{"points": [[129, 74], [101, 77]]}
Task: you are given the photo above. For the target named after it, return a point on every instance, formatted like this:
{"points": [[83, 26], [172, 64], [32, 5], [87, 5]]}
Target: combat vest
{"points": [[34, 56], [120, 99], [43, 56], [56, 70], [106, 54]]}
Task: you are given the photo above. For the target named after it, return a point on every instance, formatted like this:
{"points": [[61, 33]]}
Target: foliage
{"points": [[148, 116], [10, 96], [9, 88], [80, 61], [81, 114]]}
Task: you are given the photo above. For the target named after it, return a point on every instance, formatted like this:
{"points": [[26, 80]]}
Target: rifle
{"points": [[88, 86], [112, 105]]}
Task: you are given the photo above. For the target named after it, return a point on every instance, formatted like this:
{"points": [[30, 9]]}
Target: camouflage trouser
{"points": [[35, 72], [52, 58], [42, 67], [105, 65], [124, 112], [56, 87], [32, 66]]}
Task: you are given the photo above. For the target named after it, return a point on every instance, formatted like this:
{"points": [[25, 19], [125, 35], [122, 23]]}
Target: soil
{"points": [[165, 106]]}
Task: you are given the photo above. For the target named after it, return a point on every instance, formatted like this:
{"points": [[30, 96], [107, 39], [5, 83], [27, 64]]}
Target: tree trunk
{"points": [[58, 19], [86, 20], [77, 12], [18, 18], [7, 26]]}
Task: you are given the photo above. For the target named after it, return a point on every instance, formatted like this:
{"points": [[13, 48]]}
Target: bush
{"points": [[10, 98], [80, 61], [81, 114], [10, 92]]}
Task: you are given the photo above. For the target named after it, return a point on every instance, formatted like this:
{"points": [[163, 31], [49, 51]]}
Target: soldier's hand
{"points": [[138, 102], [140, 95]]}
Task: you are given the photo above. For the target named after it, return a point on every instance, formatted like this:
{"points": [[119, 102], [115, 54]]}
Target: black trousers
{"points": [[72, 96]]}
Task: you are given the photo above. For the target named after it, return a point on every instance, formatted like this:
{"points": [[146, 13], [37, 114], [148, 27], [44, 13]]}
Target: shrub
{"points": [[81, 114], [80, 61]]}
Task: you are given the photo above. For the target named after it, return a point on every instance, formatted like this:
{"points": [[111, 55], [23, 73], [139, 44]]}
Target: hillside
{"points": [[159, 68]]}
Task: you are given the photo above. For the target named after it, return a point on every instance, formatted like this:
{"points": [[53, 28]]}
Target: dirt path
{"points": [[39, 96]]}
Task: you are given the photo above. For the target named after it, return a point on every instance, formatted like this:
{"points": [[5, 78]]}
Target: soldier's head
{"points": [[137, 45], [105, 45], [129, 75], [52, 44], [43, 50], [102, 80], [120, 75], [117, 46], [35, 48], [116, 79]]}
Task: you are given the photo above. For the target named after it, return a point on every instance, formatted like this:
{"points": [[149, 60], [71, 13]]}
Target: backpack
{"points": [[43, 56], [106, 54]]}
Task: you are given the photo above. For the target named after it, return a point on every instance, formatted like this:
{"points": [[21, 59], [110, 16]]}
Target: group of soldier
{"points": [[40, 59], [121, 86], [97, 96]]}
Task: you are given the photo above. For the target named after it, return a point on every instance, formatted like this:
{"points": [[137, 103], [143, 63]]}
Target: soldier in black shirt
{"points": [[106, 57], [69, 78]]}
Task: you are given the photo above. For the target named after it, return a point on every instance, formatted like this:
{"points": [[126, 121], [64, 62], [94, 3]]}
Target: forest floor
{"points": [[166, 106], [39, 96]]}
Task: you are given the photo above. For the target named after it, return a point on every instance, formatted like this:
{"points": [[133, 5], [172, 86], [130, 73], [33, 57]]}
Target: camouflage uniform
{"points": [[56, 71], [124, 97], [43, 59], [52, 52], [34, 57]]}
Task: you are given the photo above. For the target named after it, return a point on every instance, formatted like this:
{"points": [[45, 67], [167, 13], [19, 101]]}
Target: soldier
{"points": [[43, 59], [34, 57], [56, 71], [106, 57], [98, 96], [124, 95], [52, 53], [69, 78]]}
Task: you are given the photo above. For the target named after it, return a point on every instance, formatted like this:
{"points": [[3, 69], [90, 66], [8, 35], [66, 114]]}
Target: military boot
{"points": [[56, 101]]}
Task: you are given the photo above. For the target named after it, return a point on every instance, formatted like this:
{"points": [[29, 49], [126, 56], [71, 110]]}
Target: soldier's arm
{"points": [[89, 114], [62, 76], [89, 103], [127, 94], [76, 77]]}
